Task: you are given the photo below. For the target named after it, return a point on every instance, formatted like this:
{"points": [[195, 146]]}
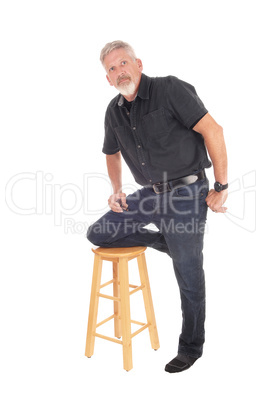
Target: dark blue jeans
{"points": [[180, 216]]}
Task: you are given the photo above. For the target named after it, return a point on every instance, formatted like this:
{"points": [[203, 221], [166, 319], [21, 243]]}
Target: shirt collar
{"points": [[143, 91], [144, 87]]}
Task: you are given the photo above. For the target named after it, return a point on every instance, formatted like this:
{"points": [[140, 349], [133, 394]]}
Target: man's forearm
{"points": [[215, 143], [115, 171], [216, 147], [117, 200]]}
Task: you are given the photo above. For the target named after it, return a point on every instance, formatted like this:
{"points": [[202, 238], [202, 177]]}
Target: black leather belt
{"points": [[160, 188]]}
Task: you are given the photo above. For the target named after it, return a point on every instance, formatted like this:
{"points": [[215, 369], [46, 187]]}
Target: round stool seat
{"points": [[119, 252]]}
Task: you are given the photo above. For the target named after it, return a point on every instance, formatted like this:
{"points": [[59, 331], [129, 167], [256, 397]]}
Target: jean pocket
{"points": [[198, 190]]}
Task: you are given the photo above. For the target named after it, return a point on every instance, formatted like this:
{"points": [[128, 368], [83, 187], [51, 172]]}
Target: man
{"points": [[162, 129]]}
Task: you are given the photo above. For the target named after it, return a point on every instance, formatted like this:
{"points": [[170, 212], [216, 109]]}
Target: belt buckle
{"points": [[154, 186], [166, 187]]}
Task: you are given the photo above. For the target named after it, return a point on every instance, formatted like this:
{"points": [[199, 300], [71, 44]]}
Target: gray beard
{"points": [[127, 89]]}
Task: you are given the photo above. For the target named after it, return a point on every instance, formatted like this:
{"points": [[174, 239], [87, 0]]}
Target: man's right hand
{"points": [[117, 202]]}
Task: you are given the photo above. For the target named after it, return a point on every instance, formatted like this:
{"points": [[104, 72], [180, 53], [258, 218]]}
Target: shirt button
{"points": [[143, 163], [128, 113], [150, 181], [138, 146], [134, 128]]}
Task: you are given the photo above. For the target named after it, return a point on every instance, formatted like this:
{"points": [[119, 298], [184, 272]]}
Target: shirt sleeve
{"points": [[183, 102], [110, 143]]}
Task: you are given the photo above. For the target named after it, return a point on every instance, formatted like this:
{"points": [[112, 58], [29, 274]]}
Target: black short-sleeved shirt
{"points": [[155, 135]]}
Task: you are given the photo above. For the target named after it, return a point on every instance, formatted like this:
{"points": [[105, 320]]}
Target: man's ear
{"points": [[139, 63], [109, 80]]}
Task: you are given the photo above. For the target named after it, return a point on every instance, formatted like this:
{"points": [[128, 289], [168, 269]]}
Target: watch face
{"points": [[218, 186]]}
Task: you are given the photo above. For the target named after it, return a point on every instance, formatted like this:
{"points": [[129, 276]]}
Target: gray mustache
{"points": [[122, 77]]}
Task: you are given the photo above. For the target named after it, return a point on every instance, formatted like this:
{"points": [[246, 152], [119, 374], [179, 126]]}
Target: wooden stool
{"points": [[121, 298]]}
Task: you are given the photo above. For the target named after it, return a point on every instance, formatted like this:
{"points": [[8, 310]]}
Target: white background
{"points": [[53, 98]]}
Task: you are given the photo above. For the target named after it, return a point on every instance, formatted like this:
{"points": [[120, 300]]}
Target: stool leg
{"points": [[116, 293], [125, 314], [144, 278], [93, 309]]}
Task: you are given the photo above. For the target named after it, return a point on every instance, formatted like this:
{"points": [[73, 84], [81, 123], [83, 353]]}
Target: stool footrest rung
{"points": [[108, 338], [107, 283], [137, 288], [137, 322], [108, 297], [106, 320], [140, 330]]}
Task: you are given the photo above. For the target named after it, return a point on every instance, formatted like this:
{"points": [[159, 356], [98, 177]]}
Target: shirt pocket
{"points": [[155, 125]]}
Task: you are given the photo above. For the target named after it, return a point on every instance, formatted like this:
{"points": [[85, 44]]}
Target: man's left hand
{"points": [[215, 200]]}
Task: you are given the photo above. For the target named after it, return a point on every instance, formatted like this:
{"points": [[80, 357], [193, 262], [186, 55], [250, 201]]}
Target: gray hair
{"points": [[117, 44]]}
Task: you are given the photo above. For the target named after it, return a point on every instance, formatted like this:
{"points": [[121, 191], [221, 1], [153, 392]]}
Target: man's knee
{"points": [[97, 234], [93, 235]]}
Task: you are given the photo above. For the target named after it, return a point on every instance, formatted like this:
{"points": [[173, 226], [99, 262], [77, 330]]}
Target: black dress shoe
{"points": [[180, 363]]}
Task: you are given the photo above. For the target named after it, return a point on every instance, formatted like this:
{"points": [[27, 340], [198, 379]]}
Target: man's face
{"points": [[123, 72]]}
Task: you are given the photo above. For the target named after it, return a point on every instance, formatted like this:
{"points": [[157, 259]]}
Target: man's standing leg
{"points": [[182, 220]]}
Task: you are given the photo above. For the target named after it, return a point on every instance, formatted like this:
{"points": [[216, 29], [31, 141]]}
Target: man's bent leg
{"points": [[108, 232], [127, 229]]}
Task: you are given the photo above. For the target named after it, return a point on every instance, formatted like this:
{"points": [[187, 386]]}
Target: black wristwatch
{"points": [[220, 187]]}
